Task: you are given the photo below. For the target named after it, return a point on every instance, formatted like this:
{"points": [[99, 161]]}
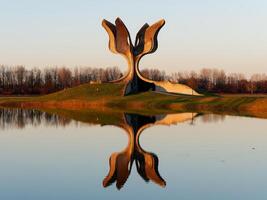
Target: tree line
{"points": [[213, 80], [19, 80]]}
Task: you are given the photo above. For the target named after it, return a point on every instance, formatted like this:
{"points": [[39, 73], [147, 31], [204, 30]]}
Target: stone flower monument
{"points": [[145, 43]]}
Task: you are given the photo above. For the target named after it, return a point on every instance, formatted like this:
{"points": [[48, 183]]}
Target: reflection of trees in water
{"points": [[19, 118], [120, 163], [212, 118]]}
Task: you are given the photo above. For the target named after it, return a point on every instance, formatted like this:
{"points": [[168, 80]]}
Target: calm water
{"points": [[46, 156]]}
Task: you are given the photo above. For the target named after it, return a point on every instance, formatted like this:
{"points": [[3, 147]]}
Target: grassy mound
{"points": [[109, 97], [86, 92]]}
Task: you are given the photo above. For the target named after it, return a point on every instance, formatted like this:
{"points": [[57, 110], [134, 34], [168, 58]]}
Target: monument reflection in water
{"points": [[146, 162], [120, 162]]}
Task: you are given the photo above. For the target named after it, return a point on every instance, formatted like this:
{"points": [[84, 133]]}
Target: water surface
{"points": [[181, 156]]}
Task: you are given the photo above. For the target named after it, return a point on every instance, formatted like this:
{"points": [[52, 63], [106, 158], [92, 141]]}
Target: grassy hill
{"points": [[108, 97]]}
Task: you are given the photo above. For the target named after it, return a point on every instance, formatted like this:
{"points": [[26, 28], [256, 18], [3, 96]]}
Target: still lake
{"points": [[46, 156]]}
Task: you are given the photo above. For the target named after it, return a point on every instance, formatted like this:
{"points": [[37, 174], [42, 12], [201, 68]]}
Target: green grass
{"points": [[83, 92], [86, 92], [146, 103]]}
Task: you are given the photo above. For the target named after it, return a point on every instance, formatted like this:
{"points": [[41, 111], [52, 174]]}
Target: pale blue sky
{"points": [[228, 34]]}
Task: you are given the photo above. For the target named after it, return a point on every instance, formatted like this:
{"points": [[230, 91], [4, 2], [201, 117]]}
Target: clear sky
{"points": [[227, 34]]}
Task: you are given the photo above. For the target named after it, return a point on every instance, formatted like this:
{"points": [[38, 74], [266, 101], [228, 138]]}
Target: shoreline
{"points": [[107, 97]]}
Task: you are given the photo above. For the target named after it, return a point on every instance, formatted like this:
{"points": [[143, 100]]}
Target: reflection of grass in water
{"points": [[148, 103], [89, 116]]}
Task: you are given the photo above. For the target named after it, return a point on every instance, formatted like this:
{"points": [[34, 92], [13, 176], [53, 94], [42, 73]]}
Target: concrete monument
{"points": [[145, 43]]}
